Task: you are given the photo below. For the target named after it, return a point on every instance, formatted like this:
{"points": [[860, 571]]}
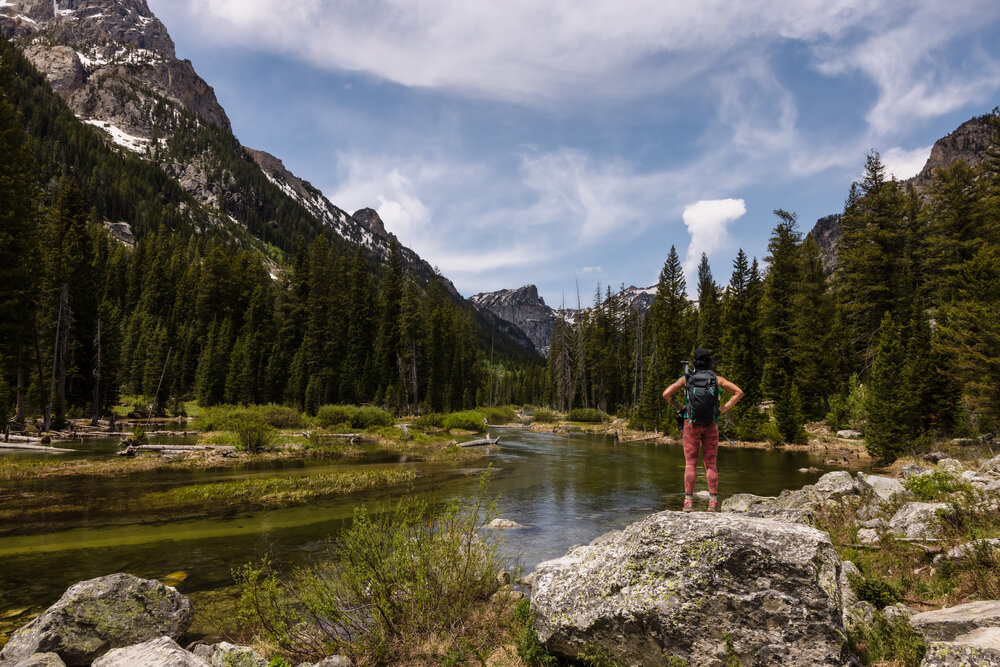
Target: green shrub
{"points": [[501, 414], [589, 415], [936, 485], [531, 651], [429, 420], [837, 418], [139, 435], [881, 642], [772, 434], [353, 416], [399, 575], [278, 662], [253, 435], [875, 590], [469, 420], [544, 416], [227, 417]]}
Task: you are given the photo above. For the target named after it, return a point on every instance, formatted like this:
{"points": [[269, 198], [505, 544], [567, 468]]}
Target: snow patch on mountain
{"points": [[120, 137]]}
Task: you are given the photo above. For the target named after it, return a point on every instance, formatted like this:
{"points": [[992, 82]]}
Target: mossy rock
{"points": [[100, 614]]}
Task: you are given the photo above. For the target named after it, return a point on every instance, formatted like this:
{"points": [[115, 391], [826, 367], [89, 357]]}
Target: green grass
{"points": [[356, 417], [271, 491], [228, 417], [468, 420]]}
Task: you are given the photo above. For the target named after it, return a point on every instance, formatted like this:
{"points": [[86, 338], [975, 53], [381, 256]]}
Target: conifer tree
{"points": [[812, 333], [778, 306], [871, 274], [709, 308], [886, 433], [742, 346]]}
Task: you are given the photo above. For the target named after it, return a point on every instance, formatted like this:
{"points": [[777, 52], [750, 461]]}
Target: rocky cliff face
{"points": [[968, 142], [523, 308], [114, 64], [526, 310], [110, 60]]}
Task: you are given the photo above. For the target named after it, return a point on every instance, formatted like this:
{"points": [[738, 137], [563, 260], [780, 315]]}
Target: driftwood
{"points": [[479, 443], [33, 448], [642, 439], [185, 448], [510, 426]]}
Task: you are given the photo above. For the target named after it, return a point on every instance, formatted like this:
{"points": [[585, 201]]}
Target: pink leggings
{"points": [[707, 437]]}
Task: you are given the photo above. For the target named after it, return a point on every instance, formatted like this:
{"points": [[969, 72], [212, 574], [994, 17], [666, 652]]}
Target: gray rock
{"points": [[99, 614], [505, 524], [949, 654], [898, 610], [802, 515], [885, 489], [918, 520], [992, 487], [836, 484], [848, 598], [225, 654], [868, 536], [702, 495], [848, 433], [41, 660], [951, 465], [993, 465], [162, 652], [934, 457], [859, 615], [335, 661], [740, 502], [913, 470], [675, 584], [962, 442], [877, 524], [947, 624]]}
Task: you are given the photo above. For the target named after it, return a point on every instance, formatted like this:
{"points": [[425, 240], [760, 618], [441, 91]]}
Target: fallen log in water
{"points": [[185, 448], [32, 448], [479, 443]]}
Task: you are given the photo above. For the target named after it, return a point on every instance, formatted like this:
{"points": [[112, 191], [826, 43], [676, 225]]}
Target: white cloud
{"points": [[904, 164], [591, 269], [563, 50], [707, 222]]}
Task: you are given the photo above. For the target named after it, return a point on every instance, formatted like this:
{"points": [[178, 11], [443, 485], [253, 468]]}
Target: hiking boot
{"points": [[713, 505], [688, 505]]}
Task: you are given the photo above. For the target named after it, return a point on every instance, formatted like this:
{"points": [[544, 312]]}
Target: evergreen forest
{"points": [[900, 337]]}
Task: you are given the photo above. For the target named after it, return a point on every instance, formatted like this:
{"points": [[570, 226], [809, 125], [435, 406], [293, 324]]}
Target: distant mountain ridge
{"points": [[114, 64], [526, 310]]}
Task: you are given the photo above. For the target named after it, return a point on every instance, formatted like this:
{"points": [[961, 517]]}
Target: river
{"points": [[565, 488]]}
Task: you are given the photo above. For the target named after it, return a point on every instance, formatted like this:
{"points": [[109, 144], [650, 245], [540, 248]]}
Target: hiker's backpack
{"points": [[701, 395]]}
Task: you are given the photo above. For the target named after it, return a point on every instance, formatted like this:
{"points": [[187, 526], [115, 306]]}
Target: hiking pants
{"points": [[705, 436]]}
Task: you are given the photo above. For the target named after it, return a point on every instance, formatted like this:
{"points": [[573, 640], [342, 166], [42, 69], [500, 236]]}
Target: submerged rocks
{"points": [[694, 586], [99, 614]]}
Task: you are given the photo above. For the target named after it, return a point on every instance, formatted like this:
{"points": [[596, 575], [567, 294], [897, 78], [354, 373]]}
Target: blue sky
{"points": [[575, 141]]}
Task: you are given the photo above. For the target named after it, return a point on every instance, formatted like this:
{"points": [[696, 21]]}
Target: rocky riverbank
{"points": [[124, 621], [769, 581]]}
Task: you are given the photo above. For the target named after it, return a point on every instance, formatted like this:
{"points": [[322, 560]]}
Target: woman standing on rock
{"points": [[701, 430]]}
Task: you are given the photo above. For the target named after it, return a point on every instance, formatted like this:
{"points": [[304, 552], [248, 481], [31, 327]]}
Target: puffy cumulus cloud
{"points": [[707, 222], [904, 164]]}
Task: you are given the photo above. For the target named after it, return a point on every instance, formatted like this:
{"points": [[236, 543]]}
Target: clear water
{"points": [[566, 490]]}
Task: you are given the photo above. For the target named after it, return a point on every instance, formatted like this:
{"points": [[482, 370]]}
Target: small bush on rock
{"points": [[936, 485], [875, 590]]}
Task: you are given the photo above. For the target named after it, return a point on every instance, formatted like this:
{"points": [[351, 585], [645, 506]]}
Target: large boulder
{"points": [[696, 587], [918, 521], [100, 614], [162, 652], [884, 489], [947, 624], [979, 648], [836, 484], [987, 547]]}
